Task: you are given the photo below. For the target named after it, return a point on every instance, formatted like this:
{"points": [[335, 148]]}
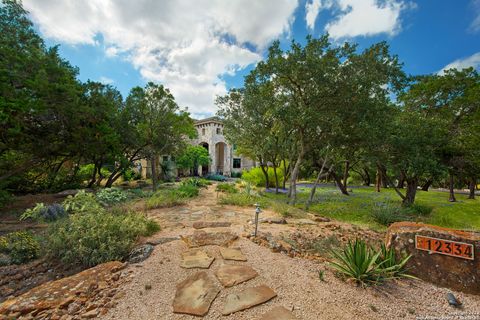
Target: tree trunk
{"points": [[339, 183], [345, 173], [100, 176], [383, 171], [427, 185], [94, 176], [285, 175], [471, 186], [401, 181], [378, 180], [265, 173], [314, 188], [154, 173], [451, 186], [412, 185], [366, 178], [276, 178], [294, 176]]}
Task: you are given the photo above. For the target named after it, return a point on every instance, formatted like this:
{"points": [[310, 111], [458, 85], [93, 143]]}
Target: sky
{"points": [[199, 49]]}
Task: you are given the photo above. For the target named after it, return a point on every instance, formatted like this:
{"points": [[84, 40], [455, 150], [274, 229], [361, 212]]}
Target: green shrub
{"points": [[42, 212], [86, 172], [416, 209], [236, 174], [164, 199], [5, 198], [196, 182], [286, 210], [81, 202], [226, 187], [131, 174], [21, 247], [256, 177], [138, 193], [109, 196], [386, 213], [243, 200], [362, 264], [187, 191], [215, 177], [90, 238]]}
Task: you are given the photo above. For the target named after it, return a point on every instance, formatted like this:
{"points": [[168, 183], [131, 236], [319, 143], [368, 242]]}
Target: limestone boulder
{"points": [[451, 268], [211, 224], [195, 294], [201, 238]]}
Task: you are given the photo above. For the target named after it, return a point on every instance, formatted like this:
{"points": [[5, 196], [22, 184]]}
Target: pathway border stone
{"points": [[195, 294], [248, 298]]}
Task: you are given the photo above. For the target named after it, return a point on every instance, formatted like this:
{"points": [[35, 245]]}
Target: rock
{"points": [[196, 259], [5, 260], [230, 275], [247, 298], [211, 224], [232, 254], [90, 314], [321, 219], [140, 253], [55, 294], [272, 220], [195, 294], [159, 241], [443, 270], [278, 313], [201, 238], [304, 222]]}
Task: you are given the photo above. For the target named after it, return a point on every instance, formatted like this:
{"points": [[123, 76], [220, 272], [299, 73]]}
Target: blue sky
{"points": [[200, 49]]}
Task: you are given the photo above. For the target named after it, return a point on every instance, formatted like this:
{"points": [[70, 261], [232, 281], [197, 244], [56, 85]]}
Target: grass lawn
{"points": [[357, 208]]}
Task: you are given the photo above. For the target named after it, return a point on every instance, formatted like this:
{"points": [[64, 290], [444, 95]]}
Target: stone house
{"points": [[224, 158]]}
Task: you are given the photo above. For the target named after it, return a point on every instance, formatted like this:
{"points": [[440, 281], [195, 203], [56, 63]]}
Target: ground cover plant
{"points": [[18, 247], [226, 188], [42, 212], [174, 196], [109, 196]]}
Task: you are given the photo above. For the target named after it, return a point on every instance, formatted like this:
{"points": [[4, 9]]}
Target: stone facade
{"points": [[224, 158]]}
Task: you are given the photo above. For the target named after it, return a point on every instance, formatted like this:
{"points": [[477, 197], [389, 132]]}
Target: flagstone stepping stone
{"points": [[201, 238], [196, 259], [195, 294], [230, 275], [271, 220], [211, 224], [278, 313], [247, 298], [232, 254]]}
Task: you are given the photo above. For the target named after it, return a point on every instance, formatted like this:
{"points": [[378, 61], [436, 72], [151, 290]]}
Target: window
{"points": [[203, 131], [219, 131], [172, 158], [165, 159], [237, 163], [234, 147]]}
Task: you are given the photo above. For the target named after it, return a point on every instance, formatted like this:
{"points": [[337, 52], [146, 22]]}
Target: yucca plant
{"points": [[358, 262]]}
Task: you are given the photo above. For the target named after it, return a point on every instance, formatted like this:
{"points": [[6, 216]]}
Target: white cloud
{"points": [[459, 64], [106, 80], [186, 45], [475, 25], [313, 8], [366, 18]]}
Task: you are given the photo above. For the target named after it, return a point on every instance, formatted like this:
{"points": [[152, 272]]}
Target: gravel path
{"points": [[295, 280]]}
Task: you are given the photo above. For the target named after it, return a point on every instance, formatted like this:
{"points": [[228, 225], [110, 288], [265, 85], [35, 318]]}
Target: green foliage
{"points": [[236, 174], [216, 177], [362, 264], [243, 200], [386, 213], [286, 210], [196, 182], [21, 247], [130, 175], [164, 199], [187, 191], [324, 246], [81, 202], [5, 198], [42, 212], [226, 187], [193, 157], [109, 196], [91, 238], [85, 172], [256, 177]]}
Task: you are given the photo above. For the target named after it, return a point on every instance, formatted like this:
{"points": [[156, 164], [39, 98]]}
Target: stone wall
{"points": [[441, 269]]}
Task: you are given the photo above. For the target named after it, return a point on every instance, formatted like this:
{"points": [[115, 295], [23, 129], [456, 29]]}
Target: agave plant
{"points": [[388, 262], [358, 262]]}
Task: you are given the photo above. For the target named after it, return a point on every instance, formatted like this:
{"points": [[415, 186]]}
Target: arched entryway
{"points": [[220, 150], [204, 168]]}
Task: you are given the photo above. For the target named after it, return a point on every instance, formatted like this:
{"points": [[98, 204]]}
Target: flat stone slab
{"points": [[201, 238], [211, 224], [232, 254], [195, 294], [230, 275], [278, 313], [272, 220], [304, 221], [196, 259], [247, 298]]}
